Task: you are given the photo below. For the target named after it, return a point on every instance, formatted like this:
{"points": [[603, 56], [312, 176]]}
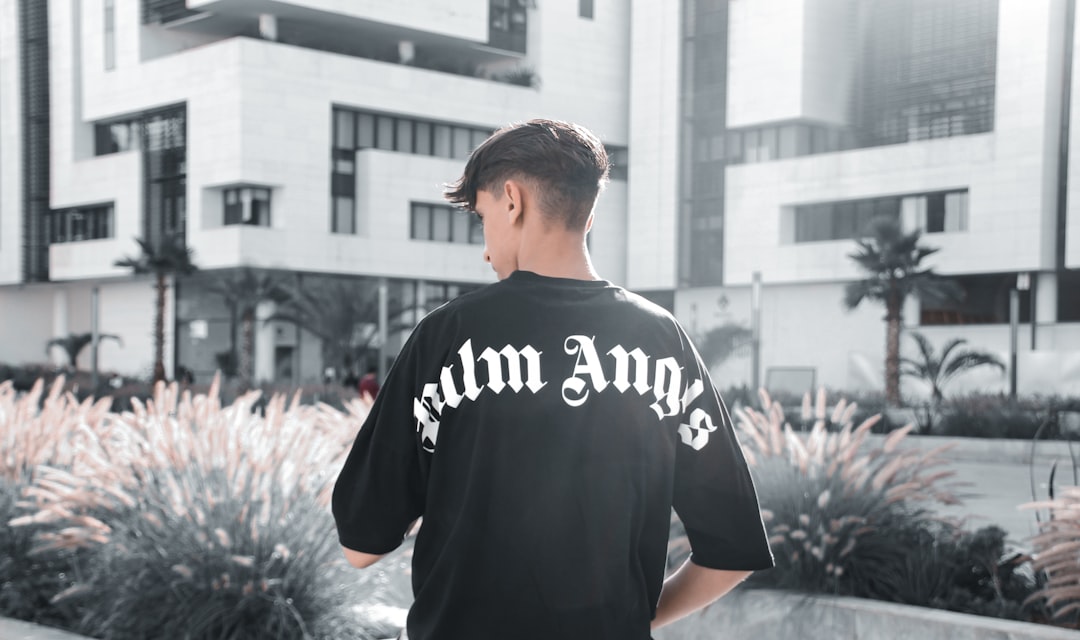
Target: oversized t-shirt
{"points": [[544, 428]]}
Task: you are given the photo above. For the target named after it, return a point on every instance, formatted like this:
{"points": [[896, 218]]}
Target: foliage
{"points": [[937, 371], [893, 263], [74, 343], [720, 343], [849, 517], [242, 292], [190, 519], [169, 257], [34, 430], [1057, 555], [835, 505], [980, 415], [521, 76]]}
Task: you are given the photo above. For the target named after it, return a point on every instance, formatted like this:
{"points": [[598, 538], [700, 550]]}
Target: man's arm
{"points": [[691, 588], [359, 559]]}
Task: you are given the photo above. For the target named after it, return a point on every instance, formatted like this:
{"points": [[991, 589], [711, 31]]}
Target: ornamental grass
{"points": [[190, 519], [1057, 555], [842, 514]]}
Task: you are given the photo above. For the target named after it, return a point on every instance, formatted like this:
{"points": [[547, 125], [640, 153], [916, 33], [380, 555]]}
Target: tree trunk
{"points": [[159, 330], [892, 356], [247, 347]]}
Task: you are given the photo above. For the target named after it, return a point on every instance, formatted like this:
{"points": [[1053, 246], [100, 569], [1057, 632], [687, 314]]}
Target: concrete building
{"points": [[778, 128], [309, 139], [304, 138]]}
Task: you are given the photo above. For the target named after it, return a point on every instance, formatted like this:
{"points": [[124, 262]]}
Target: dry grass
{"points": [[841, 511], [1057, 554], [199, 517]]}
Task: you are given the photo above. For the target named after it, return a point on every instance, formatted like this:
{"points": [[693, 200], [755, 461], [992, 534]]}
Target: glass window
{"points": [[460, 231], [442, 141], [956, 211], [476, 230], [344, 129], [365, 131], [110, 35], [234, 207], [421, 221], [260, 207], [404, 135], [462, 141], [478, 137], [440, 224], [935, 213], [788, 147], [585, 9], [344, 221], [384, 133], [423, 138]]}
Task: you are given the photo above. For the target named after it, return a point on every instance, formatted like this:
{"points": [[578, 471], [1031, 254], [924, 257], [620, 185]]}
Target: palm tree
{"points": [[170, 257], [893, 261], [720, 343], [937, 371], [242, 292], [74, 343], [342, 314]]}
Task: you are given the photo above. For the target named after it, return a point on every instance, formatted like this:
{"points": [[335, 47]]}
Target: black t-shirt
{"points": [[544, 428]]}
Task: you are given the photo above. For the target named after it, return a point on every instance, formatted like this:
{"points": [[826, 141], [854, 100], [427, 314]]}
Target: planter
{"points": [[776, 615]]}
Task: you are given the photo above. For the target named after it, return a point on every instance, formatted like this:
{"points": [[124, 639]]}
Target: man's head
{"points": [[556, 169], [565, 162]]}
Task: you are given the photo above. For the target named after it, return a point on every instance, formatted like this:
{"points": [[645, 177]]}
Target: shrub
{"points": [[35, 430], [1057, 555], [202, 521], [991, 416], [836, 507]]}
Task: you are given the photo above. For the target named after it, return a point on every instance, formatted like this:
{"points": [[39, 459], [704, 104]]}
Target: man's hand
{"points": [[691, 588], [359, 559]]}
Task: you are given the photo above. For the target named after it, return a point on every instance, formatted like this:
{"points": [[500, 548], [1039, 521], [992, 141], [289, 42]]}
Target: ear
{"points": [[514, 195]]}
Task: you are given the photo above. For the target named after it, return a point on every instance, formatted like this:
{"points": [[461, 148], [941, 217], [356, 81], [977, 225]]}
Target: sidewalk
{"points": [[19, 630]]}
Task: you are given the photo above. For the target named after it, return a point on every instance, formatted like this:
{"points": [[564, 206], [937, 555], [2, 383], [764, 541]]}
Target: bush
{"points": [[991, 416], [197, 520], [35, 430], [1056, 556], [849, 518]]}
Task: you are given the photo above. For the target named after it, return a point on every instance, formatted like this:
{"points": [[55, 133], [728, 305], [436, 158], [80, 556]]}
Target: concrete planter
{"points": [[778, 615]]}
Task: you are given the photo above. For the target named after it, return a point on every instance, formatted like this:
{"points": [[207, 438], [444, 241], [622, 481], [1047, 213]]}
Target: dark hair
{"points": [[566, 162]]}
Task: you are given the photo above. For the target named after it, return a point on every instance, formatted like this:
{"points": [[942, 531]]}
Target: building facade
{"points": [[786, 125], [309, 139], [311, 143]]}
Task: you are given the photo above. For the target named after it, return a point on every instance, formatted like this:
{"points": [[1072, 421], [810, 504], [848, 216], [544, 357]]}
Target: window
{"points": [[985, 300], [444, 223], [115, 137], [110, 35], [508, 24], [247, 205], [585, 9], [81, 223], [843, 220], [936, 212]]}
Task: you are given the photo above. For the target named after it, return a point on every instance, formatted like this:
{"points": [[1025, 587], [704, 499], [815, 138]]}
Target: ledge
{"points": [[776, 615]]}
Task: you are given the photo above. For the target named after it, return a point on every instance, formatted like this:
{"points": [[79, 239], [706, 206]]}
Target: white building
{"points": [[310, 137], [777, 128]]}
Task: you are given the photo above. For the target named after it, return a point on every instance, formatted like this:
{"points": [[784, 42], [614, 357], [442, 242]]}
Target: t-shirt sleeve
{"points": [[714, 493], [381, 489]]}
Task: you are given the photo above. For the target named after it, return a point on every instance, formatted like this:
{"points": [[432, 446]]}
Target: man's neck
{"points": [[557, 258]]}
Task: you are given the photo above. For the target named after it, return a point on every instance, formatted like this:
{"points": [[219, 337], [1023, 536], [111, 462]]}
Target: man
{"points": [[544, 426]]}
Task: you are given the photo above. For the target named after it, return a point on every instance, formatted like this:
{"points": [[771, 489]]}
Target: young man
{"points": [[544, 427]]}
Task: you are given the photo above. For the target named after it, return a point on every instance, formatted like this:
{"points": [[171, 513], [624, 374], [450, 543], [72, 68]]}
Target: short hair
{"points": [[566, 162]]}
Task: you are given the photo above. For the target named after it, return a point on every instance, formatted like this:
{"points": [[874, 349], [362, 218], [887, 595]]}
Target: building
{"points": [[309, 139], [304, 138], [777, 128]]}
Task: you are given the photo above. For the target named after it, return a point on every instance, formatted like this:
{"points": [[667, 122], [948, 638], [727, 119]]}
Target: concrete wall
{"points": [[652, 213], [777, 615]]}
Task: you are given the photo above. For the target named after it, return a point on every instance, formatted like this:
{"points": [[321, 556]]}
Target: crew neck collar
{"points": [[535, 278]]}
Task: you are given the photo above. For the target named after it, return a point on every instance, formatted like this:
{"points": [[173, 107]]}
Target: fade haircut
{"points": [[566, 164]]}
